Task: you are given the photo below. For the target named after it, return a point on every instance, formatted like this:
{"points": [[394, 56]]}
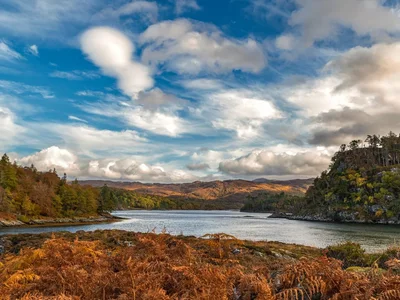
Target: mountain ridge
{"points": [[235, 190]]}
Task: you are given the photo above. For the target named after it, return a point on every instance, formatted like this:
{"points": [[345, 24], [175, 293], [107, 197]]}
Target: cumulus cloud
{"points": [[374, 72], [267, 163], [242, 111], [342, 126], [64, 160], [156, 98], [133, 170], [182, 6], [75, 75], [355, 95], [34, 50], [185, 47], [54, 157], [320, 19], [112, 51], [285, 42], [8, 54], [9, 128]]}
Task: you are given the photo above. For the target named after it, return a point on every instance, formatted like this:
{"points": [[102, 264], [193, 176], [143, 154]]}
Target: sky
{"points": [[187, 90]]}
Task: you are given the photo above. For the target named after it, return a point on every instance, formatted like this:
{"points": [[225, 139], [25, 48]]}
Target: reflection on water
{"points": [[252, 226]]}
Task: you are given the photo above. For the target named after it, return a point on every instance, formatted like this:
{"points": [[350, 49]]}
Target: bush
{"points": [[351, 254]]}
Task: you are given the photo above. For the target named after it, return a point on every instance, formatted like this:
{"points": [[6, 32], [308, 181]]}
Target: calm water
{"points": [[252, 226]]}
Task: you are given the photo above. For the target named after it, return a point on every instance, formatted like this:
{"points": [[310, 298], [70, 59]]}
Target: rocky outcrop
{"points": [[344, 217]]}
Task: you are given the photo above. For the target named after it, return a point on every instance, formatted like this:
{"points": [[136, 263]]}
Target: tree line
{"points": [[28, 192], [25, 191]]}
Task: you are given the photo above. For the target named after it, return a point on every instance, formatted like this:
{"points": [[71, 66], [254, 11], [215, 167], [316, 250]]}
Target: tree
{"points": [[107, 200]]}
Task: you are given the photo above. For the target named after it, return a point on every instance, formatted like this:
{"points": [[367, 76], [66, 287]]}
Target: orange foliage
{"points": [[151, 266]]}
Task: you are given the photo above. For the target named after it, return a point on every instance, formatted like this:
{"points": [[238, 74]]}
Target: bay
{"points": [[251, 226]]}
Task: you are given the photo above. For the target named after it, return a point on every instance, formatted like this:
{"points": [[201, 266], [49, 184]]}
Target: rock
{"points": [[9, 223], [236, 251]]}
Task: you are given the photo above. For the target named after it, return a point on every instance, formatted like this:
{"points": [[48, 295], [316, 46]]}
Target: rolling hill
{"points": [[229, 191]]}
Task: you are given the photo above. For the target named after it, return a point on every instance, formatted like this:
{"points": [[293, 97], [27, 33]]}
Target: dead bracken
{"points": [[125, 265]]}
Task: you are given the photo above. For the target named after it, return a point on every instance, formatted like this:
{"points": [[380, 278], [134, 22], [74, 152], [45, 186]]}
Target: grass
{"points": [[125, 265]]}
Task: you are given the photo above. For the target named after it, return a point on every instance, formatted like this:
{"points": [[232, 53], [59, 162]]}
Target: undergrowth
{"points": [[121, 265]]}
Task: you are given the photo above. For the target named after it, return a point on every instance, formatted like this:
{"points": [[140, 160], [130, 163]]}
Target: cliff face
{"points": [[234, 191]]}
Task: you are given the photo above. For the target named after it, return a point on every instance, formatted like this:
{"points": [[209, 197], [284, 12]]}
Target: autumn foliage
{"points": [[121, 265]]}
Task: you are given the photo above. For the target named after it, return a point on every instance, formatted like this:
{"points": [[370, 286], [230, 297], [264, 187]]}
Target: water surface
{"points": [[251, 226]]}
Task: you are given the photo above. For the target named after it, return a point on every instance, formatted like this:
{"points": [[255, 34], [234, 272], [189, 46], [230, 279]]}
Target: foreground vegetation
{"points": [[126, 265]]}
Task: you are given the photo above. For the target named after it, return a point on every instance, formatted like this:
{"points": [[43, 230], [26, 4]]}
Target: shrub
{"points": [[351, 254]]}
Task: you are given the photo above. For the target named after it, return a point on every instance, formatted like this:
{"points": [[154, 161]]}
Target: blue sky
{"points": [[185, 90]]}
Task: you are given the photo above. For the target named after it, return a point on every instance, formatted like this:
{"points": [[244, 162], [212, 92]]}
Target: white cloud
{"points": [[321, 19], [242, 111], [9, 129], [47, 19], [198, 167], [54, 157], [158, 115], [64, 160], [156, 98], [75, 75], [112, 51], [73, 118], [285, 42], [86, 139], [21, 88], [190, 48], [356, 95], [6, 53], [202, 84], [181, 6], [34, 50], [268, 163], [145, 9], [133, 170]]}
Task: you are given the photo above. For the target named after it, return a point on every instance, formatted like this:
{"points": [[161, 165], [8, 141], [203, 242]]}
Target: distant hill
{"points": [[230, 191]]}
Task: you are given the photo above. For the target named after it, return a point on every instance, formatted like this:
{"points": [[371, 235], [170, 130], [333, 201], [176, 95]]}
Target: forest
{"points": [[26, 192], [271, 202], [29, 193], [361, 184]]}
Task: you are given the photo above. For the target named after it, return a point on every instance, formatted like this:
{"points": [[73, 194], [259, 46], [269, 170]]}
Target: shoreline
{"points": [[55, 222]]}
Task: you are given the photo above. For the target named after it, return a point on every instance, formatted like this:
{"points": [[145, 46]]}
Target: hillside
{"points": [[232, 192], [362, 184]]}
